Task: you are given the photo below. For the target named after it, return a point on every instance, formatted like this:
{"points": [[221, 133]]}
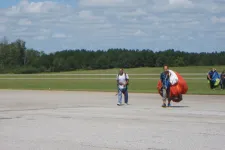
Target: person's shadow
{"points": [[178, 106]]}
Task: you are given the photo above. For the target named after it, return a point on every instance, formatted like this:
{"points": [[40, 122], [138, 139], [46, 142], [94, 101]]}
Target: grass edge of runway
{"points": [[138, 84], [100, 91]]}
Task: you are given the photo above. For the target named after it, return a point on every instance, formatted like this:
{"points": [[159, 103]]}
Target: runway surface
{"points": [[50, 120]]}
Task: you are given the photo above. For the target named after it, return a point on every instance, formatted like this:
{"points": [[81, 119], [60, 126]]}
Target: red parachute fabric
{"points": [[180, 88], [159, 86], [182, 83]]}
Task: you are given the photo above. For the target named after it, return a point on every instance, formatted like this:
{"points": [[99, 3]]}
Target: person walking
{"points": [[209, 78], [169, 79], [222, 80], [122, 85], [214, 78], [165, 89]]}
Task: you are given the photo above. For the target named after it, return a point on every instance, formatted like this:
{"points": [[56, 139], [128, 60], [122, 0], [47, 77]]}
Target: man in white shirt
{"points": [[122, 83]]}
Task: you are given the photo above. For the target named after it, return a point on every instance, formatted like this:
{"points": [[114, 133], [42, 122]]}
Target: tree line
{"points": [[16, 58]]}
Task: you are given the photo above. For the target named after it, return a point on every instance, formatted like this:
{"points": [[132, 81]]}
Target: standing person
{"points": [[168, 79], [209, 77], [122, 85], [165, 89], [222, 80], [214, 79]]}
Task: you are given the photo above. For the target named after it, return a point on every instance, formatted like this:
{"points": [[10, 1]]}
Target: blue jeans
{"points": [[120, 94], [165, 93]]}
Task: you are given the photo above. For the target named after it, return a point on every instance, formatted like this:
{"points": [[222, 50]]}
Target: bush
{"points": [[28, 70]]}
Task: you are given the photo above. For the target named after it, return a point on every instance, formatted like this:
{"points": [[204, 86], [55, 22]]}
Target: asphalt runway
{"points": [[50, 120]]}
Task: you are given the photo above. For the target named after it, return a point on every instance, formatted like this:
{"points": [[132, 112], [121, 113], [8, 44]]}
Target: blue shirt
{"points": [[165, 79], [210, 73]]}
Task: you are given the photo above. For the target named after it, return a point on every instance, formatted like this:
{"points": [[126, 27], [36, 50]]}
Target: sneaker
{"points": [[163, 105], [126, 103], [168, 105], [118, 104]]}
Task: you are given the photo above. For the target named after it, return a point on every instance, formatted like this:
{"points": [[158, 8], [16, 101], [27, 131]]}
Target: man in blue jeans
{"points": [[122, 85], [164, 77]]}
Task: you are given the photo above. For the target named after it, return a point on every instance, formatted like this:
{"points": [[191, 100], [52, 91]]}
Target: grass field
{"points": [[142, 80]]}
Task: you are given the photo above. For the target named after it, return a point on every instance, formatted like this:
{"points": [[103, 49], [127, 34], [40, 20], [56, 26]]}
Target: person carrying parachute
{"points": [[213, 78], [171, 86]]}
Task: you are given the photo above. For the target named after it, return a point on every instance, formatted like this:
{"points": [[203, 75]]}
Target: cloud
{"points": [[59, 35], [180, 2], [35, 7], [3, 19], [40, 37], [115, 23], [109, 3], [218, 19], [101, 2], [140, 33], [2, 28], [87, 15], [24, 22]]}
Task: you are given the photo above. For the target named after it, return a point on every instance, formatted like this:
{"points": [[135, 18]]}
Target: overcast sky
{"points": [[188, 25]]}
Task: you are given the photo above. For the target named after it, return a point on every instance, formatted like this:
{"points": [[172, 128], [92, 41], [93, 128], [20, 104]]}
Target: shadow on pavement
{"points": [[179, 106]]}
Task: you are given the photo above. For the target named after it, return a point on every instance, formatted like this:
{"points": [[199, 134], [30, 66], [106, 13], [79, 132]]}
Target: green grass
{"points": [[74, 82], [139, 86], [192, 69]]}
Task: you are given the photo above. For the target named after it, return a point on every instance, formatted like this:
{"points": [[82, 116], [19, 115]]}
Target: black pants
{"points": [[211, 83], [222, 83]]}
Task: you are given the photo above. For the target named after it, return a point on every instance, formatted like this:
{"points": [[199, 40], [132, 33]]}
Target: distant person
{"points": [[122, 85], [209, 77], [222, 80], [214, 78]]}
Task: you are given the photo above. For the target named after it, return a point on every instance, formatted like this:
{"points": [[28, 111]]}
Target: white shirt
{"points": [[122, 79]]}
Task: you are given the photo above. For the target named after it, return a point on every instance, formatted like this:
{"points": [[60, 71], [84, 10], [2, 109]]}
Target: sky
{"points": [[54, 25]]}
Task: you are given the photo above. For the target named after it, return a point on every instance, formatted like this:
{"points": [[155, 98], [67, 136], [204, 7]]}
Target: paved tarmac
{"points": [[50, 120]]}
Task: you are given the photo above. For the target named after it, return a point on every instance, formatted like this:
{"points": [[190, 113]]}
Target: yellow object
{"points": [[217, 82]]}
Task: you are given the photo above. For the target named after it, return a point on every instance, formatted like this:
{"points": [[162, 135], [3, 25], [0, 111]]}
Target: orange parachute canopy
{"points": [[180, 88]]}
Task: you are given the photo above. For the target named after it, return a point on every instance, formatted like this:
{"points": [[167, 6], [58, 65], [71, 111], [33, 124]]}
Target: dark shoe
{"points": [[180, 97], [163, 105]]}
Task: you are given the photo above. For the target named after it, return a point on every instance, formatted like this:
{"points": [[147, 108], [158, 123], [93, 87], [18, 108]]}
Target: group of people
{"points": [[168, 79], [215, 79]]}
